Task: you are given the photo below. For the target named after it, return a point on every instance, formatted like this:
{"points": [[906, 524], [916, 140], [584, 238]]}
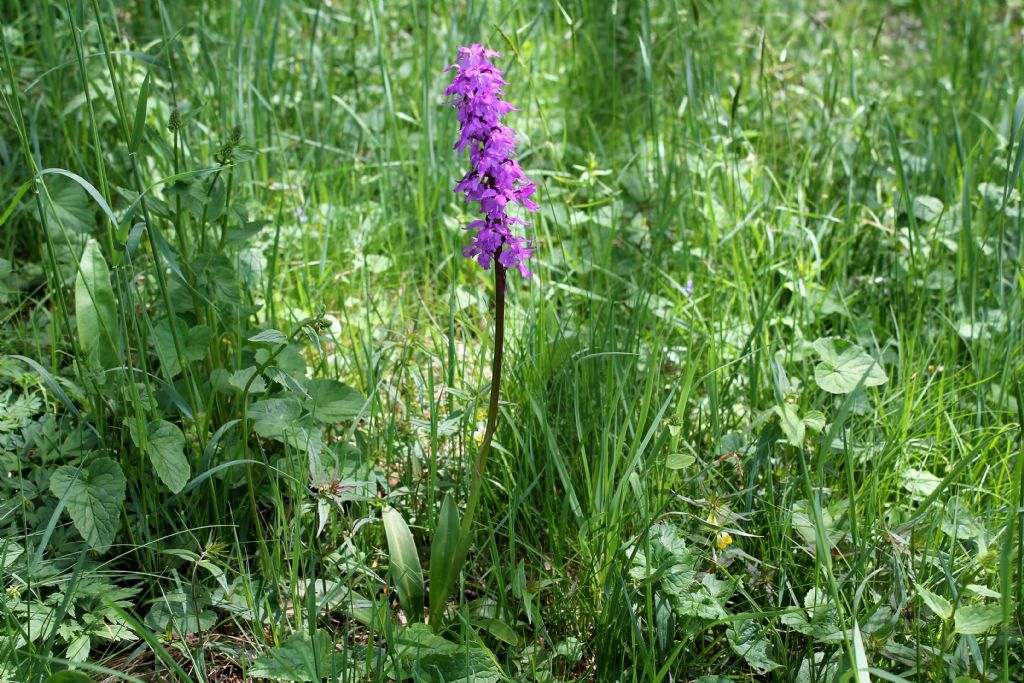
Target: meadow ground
{"points": [[761, 410]]}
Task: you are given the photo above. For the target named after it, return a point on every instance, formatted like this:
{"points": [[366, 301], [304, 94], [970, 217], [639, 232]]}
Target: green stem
{"points": [[476, 487]]}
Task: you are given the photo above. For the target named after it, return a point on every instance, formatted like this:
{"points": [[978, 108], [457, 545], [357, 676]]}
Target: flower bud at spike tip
{"points": [[495, 179]]}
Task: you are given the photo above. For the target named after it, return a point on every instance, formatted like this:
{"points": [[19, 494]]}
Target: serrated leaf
{"points": [[296, 659], [746, 640], [165, 446], [977, 619], [93, 496], [436, 660], [332, 401], [96, 308], [270, 337], [840, 372], [936, 603]]}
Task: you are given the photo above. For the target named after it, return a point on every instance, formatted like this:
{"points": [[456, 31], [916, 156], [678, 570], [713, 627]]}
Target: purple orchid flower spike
{"points": [[494, 179]]}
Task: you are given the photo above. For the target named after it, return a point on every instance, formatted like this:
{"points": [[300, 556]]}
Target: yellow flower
{"points": [[723, 540]]}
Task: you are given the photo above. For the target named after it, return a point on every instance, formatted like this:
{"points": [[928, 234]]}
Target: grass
{"points": [[761, 407]]}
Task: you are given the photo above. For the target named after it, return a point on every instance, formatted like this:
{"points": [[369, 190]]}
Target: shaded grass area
{"points": [[762, 405]]}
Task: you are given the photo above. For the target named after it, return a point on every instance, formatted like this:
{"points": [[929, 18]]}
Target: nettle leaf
{"points": [[746, 640], [165, 446], [840, 372], [296, 658], [93, 496], [331, 401], [96, 308], [977, 619], [936, 603]]}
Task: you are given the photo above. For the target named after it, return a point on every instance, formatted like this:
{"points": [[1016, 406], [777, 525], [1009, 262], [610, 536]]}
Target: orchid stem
{"points": [[479, 467]]}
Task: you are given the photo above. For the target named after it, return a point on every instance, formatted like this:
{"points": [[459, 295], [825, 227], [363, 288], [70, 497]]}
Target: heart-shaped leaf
{"points": [[165, 446], [93, 496], [841, 372]]}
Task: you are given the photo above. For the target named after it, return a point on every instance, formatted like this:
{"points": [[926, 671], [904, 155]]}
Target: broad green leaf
{"points": [[179, 613], [9, 552], [840, 372], [241, 378], [195, 343], [791, 424], [927, 208], [919, 483], [977, 619], [165, 446], [436, 660], [936, 603], [96, 308], [93, 497], [405, 563], [270, 337], [69, 677], [499, 629], [67, 207], [444, 560], [746, 640], [679, 461], [331, 401], [296, 659]]}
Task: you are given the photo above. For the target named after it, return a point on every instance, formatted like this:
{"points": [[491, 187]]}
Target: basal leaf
{"points": [[405, 563], [94, 495], [299, 658]]}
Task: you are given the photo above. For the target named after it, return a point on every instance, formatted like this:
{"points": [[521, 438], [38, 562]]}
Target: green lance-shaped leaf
{"points": [[444, 560], [165, 446], [405, 563], [95, 308], [93, 496]]}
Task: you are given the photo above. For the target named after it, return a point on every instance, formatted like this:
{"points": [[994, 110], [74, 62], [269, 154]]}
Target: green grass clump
{"points": [[762, 406]]}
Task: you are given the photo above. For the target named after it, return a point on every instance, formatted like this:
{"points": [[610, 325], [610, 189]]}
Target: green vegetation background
{"points": [[762, 409]]}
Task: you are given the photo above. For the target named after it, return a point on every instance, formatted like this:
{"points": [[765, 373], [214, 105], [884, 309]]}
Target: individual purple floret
{"points": [[495, 178]]}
